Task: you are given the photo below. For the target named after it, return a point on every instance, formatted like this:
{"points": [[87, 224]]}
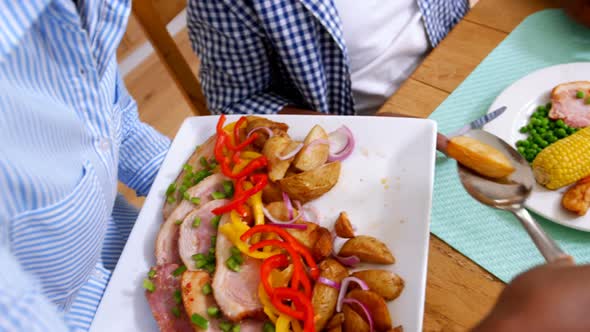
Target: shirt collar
{"points": [[16, 18]]}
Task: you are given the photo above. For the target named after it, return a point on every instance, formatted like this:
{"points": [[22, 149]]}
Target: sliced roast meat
{"points": [[195, 302], [567, 105], [204, 150], [167, 240], [196, 239], [236, 292], [254, 122], [170, 316]]}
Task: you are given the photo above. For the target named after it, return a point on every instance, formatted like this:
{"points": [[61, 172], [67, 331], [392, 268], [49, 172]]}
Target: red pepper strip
{"points": [[260, 181], [255, 164], [285, 294], [301, 249], [273, 262], [237, 129], [242, 145], [301, 302], [236, 157], [219, 144], [299, 276]]}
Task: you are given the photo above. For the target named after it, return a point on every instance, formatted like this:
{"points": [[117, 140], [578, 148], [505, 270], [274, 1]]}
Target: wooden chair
{"points": [[148, 14]]}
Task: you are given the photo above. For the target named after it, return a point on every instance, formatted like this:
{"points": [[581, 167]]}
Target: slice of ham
{"points": [[167, 240], [197, 240], [236, 292], [161, 301], [195, 302], [204, 150], [566, 106]]}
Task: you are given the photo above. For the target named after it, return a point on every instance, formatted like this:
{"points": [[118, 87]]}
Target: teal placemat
{"points": [[494, 239]]}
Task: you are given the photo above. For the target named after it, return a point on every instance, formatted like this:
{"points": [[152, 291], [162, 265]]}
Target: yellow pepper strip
{"points": [[269, 309], [283, 324], [296, 326], [280, 278], [234, 229]]}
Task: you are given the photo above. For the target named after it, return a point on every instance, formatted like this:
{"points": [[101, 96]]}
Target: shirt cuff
{"points": [[141, 155]]}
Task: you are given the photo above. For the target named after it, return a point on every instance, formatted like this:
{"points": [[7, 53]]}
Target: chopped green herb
{"points": [[176, 312], [212, 311], [179, 270], [151, 274], [187, 168], [236, 328], [587, 101], [238, 258], [225, 326], [199, 257], [186, 196], [149, 285], [580, 94], [183, 188], [206, 289], [232, 264], [213, 240], [196, 200], [215, 221], [200, 175], [204, 162], [200, 321], [210, 268], [268, 327], [212, 163], [228, 188], [178, 222], [197, 222], [235, 251], [171, 189], [200, 263], [177, 297], [217, 195], [211, 251], [171, 199]]}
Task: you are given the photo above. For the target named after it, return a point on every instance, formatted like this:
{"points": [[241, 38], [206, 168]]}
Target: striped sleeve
{"points": [[22, 306], [142, 148]]}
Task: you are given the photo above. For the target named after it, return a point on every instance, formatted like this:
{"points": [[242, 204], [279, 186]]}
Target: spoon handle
{"points": [[548, 248]]}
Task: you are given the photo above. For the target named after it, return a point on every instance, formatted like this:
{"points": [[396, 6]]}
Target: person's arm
{"points": [[22, 305], [548, 298], [142, 149], [236, 72]]}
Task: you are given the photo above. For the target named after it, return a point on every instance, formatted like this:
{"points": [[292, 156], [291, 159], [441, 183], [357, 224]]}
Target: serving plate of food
{"points": [[546, 120], [281, 223]]}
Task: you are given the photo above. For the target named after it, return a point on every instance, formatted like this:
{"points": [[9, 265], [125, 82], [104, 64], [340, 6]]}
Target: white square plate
{"points": [[385, 186]]}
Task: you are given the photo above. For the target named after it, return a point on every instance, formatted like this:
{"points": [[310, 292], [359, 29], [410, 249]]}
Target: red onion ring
{"points": [[277, 221], [364, 308], [348, 261], [329, 282], [294, 226], [344, 289], [292, 153], [347, 149], [317, 141], [268, 131], [288, 204]]}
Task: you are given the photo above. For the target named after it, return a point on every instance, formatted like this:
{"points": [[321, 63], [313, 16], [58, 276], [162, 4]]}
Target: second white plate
{"points": [[522, 99]]}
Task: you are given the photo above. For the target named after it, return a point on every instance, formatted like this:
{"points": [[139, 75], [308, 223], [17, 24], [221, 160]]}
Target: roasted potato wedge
{"points": [[376, 306], [280, 211], [272, 193], [577, 198], [324, 297], [335, 321], [308, 236], [315, 156], [323, 245], [385, 283], [310, 185], [368, 249], [343, 227], [396, 329], [275, 147], [479, 157], [278, 128], [353, 322]]}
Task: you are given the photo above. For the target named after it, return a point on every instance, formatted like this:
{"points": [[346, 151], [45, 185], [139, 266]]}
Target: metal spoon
{"points": [[510, 194]]}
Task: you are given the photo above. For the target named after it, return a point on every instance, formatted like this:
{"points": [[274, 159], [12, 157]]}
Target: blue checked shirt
{"points": [[258, 56], [68, 131]]}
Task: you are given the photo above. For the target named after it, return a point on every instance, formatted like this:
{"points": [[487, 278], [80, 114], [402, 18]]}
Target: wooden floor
{"points": [[160, 103]]}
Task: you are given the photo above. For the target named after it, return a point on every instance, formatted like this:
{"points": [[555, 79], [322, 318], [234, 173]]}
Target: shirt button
{"points": [[104, 144]]}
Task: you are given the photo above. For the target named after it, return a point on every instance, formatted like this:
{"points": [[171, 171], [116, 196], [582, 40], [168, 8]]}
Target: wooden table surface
{"points": [[459, 292]]}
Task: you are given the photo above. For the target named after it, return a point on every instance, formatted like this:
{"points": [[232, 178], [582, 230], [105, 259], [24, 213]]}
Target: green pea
{"points": [[541, 130], [521, 150], [561, 133], [571, 130], [532, 131], [543, 144], [560, 123], [524, 129], [548, 106]]}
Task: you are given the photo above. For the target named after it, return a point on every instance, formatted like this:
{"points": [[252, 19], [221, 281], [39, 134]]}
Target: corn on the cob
{"points": [[564, 162]]}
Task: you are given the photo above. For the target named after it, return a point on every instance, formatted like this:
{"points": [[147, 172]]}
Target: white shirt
{"points": [[386, 41]]}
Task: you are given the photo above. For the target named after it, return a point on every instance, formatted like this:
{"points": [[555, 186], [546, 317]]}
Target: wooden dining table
{"points": [[459, 293]]}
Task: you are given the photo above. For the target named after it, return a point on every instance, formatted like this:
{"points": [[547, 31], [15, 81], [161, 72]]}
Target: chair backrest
{"points": [[149, 14]]}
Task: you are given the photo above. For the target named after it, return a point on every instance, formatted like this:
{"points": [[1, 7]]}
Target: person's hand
{"points": [[553, 297], [579, 10]]}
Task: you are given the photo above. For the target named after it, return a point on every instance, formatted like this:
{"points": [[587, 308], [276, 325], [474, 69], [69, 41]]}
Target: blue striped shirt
{"points": [[68, 131]]}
